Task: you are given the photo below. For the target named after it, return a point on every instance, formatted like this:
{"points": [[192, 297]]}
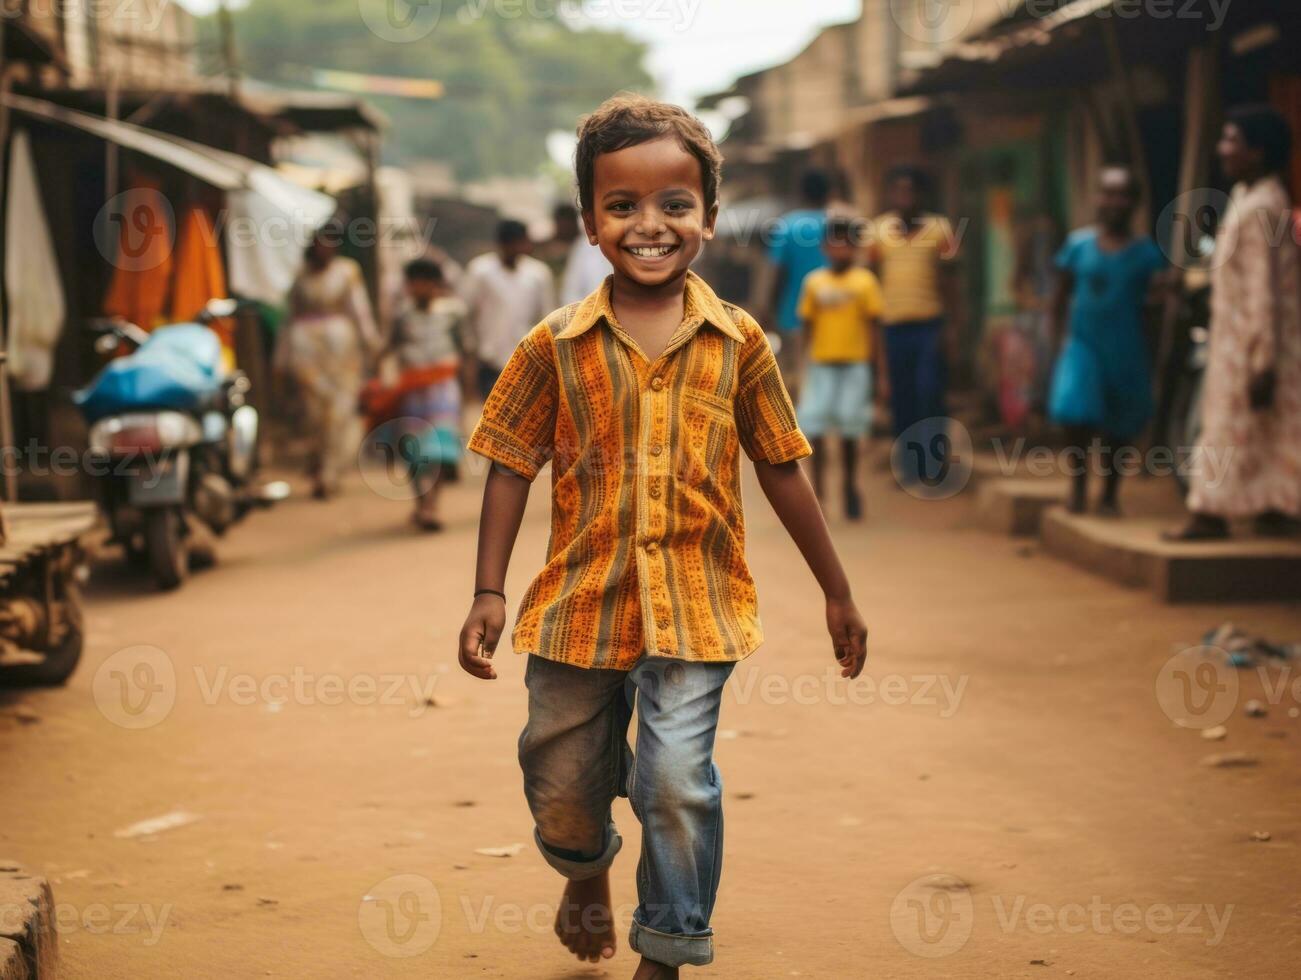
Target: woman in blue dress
{"points": [[1102, 383]]}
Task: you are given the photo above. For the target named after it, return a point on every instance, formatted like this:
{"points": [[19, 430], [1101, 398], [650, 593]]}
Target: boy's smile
{"points": [[649, 215]]}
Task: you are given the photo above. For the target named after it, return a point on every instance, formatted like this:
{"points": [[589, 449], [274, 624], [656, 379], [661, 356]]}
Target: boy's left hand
{"points": [[848, 636]]}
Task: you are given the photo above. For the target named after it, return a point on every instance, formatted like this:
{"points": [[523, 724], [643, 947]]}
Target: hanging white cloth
{"points": [[270, 224], [33, 288]]}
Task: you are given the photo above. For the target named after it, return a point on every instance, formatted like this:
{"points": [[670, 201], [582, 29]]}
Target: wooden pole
{"points": [[6, 407], [1129, 105], [228, 53]]}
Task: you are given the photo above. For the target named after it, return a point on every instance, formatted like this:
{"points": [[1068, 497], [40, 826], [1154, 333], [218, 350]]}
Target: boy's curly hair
{"points": [[626, 120]]}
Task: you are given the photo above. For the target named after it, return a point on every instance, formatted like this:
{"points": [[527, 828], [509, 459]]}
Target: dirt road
{"points": [[1002, 795]]}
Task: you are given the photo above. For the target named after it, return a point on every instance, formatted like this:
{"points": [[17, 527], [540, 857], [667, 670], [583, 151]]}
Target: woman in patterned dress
{"points": [[1248, 460], [323, 349]]}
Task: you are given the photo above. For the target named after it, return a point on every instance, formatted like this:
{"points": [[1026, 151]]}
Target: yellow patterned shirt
{"points": [[647, 548]]}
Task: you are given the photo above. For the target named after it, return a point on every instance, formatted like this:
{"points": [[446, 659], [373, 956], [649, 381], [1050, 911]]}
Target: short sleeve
{"points": [[807, 305], [1068, 255], [517, 428], [765, 417]]}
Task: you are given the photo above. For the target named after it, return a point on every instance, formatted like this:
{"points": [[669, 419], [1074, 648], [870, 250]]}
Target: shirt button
{"points": [[656, 449], [657, 383], [651, 547]]}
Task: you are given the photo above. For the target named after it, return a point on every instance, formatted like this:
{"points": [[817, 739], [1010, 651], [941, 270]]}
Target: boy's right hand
{"points": [[479, 636]]}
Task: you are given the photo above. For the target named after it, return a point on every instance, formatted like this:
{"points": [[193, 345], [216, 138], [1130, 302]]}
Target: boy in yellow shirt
{"points": [[840, 306]]}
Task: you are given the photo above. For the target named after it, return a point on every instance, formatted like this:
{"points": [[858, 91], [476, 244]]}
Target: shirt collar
{"points": [[701, 301]]}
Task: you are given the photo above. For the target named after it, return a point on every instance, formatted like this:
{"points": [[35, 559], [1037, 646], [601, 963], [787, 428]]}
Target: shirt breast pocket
{"points": [[710, 428]]}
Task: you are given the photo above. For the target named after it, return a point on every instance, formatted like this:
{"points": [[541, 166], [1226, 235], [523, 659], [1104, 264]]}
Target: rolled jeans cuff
{"points": [[669, 949], [579, 870]]}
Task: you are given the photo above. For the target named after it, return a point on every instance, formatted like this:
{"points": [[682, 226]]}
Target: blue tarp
{"points": [[178, 367]]}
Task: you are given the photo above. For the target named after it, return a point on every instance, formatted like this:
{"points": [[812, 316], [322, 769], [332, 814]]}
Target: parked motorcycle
{"points": [[1181, 412], [173, 438]]}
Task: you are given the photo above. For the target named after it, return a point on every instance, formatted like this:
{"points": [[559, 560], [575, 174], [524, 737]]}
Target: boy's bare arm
{"points": [[792, 498], [878, 359], [504, 497]]}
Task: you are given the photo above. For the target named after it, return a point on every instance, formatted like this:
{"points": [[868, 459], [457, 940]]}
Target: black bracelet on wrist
{"points": [[479, 592]]}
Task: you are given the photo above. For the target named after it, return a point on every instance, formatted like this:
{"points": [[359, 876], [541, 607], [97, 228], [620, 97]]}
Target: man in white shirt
{"points": [[508, 292], [585, 270]]}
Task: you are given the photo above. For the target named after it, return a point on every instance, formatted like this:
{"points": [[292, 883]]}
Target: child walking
{"points": [[427, 339], [642, 396], [839, 305], [1102, 384]]}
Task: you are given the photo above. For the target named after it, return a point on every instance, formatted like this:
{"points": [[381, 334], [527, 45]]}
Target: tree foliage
{"points": [[514, 70]]}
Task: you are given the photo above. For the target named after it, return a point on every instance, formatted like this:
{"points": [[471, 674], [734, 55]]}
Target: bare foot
{"points": [[650, 970], [584, 922]]}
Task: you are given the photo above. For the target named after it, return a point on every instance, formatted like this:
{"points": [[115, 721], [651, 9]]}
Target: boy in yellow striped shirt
{"points": [[643, 397]]}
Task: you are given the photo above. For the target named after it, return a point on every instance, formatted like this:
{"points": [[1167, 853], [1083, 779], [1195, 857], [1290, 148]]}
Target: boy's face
{"points": [[422, 290], [511, 251], [648, 211], [840, 253]]}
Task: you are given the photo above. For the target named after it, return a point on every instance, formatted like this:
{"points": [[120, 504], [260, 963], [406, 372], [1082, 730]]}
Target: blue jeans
{"points": [[914, 353], [576, 760]]}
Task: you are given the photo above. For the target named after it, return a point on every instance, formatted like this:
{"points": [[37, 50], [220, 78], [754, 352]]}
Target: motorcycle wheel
{"points": [[169, 558], [61, 660]]}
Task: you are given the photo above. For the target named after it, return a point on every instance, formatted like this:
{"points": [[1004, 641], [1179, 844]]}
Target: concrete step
{"points": [[29, 944], [1131, 552], [1016, 506]]}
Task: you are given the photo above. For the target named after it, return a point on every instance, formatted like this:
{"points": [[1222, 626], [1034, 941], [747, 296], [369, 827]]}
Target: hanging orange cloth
{"points": [[200, 276], [199, 273], [141, 232]]}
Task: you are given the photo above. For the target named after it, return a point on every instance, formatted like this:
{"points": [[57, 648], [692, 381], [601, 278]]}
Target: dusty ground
{"points": [[1011, 738]]}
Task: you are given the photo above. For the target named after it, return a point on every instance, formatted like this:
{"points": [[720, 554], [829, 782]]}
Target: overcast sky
{"points": [[696, 46]]}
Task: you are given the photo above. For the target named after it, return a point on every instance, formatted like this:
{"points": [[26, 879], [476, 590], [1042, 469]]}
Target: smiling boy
{"points": [[642, 397]]}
